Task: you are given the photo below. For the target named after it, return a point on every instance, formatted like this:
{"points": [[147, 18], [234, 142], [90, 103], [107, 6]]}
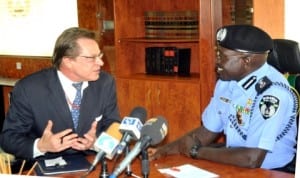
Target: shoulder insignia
{"points": [[249, 82], [263, 84], [268, 106]]}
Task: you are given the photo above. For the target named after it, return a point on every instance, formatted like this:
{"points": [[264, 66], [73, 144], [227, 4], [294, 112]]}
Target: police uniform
{"points": [[258, 111]]}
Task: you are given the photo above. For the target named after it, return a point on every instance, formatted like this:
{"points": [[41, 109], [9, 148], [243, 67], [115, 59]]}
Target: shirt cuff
{"points": [[36, 151]]}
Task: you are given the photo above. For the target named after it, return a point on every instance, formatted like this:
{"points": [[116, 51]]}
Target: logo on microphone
{"points": [[132, 121], [107, 144], [164, 130], [132, 125]]}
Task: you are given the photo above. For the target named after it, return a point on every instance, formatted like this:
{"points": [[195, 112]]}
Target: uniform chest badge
{"points": [[268, 106], [239, 117], [243, 110], [225, 100]]}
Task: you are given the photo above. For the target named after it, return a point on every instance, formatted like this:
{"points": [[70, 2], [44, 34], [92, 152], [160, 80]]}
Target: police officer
{"points": [[252, 105]]}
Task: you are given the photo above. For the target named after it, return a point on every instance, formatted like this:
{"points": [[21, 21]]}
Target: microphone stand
{"points": [[145, 163], [128, 171], [104, 170]]}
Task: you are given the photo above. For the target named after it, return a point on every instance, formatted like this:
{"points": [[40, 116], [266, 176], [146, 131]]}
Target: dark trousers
{"points": [[290, 167]]}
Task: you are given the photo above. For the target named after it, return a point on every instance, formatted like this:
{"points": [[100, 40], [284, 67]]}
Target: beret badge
{"points": [[221, 34]]}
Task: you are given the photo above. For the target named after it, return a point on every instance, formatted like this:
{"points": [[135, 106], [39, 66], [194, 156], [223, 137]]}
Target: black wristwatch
{"points": [[194, 151]]}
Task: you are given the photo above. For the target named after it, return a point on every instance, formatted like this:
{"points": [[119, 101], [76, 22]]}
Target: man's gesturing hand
{"points": [[88, 140], [60, 141]]}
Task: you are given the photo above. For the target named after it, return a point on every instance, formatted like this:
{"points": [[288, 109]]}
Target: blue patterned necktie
{"points": [[76, 104]]}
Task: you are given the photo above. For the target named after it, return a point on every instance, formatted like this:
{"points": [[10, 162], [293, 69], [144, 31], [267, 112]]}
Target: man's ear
{"points": [[247, 59], [67, 61]]}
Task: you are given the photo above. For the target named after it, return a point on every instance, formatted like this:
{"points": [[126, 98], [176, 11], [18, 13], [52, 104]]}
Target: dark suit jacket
{"points": [[39, 97]]}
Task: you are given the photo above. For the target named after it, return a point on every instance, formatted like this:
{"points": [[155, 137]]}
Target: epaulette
{"points": [[263, 84], [249, 82]]}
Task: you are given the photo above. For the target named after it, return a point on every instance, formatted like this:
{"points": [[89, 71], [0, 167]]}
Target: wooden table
{"points": [[223, 170]]}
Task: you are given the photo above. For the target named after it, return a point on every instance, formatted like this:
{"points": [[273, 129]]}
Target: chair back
{"points": [[286, 58]]}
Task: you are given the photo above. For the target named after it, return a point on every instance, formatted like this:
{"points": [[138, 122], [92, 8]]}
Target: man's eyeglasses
{"points": [[92, 58]]}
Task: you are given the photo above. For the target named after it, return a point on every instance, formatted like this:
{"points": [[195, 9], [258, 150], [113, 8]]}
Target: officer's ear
{"points": [[247, 59], [254, 60]]}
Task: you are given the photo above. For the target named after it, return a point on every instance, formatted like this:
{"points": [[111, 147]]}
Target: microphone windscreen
{"points": [[140, 113], [107, 144], [156, 129], [113, 130]]}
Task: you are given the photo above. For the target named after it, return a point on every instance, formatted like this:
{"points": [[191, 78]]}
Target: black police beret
{"points": [[244, 38]]}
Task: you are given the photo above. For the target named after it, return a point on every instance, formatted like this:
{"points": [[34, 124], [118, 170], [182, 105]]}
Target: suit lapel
{"points": [[58, 101], [88, 107]]}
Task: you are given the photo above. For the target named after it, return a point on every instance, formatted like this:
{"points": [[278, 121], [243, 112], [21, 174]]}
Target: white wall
{"points": [[34, 33], [292, 31], [292, 22]]}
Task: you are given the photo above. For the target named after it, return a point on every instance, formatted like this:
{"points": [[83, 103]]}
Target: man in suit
{"points": [[40, 118]]}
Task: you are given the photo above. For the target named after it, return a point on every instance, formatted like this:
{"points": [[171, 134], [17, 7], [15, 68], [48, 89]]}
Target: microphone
{"points": [[131, 127], [106, 146], [145, 163], [153, 132]]}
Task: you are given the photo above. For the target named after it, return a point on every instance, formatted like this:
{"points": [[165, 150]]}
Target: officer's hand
{"points": [[185, 145], [182, 146], [168, 149]]}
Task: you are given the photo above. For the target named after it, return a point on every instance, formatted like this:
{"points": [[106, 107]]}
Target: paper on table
{"points": [[187, 170], [56, 161]]}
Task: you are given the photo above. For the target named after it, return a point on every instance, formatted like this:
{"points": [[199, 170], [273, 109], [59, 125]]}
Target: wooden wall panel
{"points": [[226, 12], [269, 15], [29, 65], [87, 14]]}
